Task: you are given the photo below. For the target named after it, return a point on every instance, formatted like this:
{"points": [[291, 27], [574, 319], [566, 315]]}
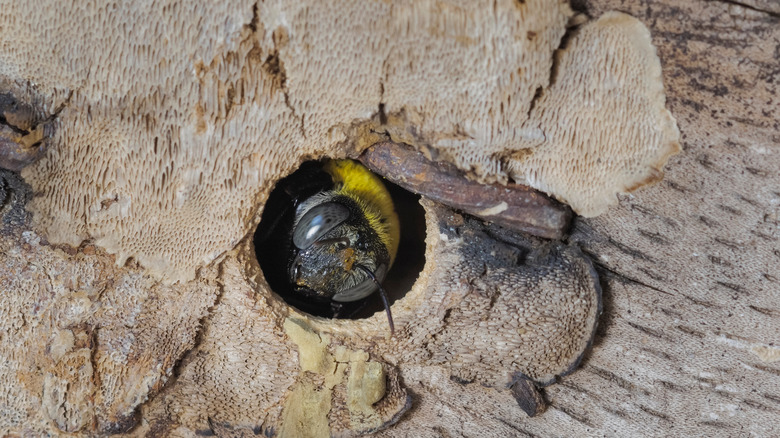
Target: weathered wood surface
{"points": [[688, 344]]}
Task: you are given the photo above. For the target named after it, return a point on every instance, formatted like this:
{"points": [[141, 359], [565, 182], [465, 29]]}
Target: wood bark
{"points": [[688, 342]]}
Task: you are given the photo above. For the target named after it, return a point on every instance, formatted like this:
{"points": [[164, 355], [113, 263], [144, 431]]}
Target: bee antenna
{"points": [[382, 294]]}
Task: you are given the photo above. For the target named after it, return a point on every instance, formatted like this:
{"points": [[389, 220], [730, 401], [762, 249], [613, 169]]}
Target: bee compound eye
{"points": [[317, 222]]}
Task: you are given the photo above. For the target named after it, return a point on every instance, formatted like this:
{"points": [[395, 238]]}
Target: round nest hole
{"points": [[275, 250]]}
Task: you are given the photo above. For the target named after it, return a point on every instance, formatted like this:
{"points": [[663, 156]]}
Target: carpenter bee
{"points": [[338, 232]]}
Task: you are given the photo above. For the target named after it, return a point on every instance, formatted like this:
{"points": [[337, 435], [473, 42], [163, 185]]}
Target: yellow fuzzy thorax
{"points": [[352, 179]]}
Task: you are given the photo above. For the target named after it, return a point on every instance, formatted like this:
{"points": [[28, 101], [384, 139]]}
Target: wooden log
{"points": [[687, 344]]}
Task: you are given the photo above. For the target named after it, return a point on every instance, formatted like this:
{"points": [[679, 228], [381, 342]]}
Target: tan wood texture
{"points": [[131, 302]]}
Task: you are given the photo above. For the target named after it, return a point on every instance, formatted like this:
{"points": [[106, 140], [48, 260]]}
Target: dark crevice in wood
{"points": [[677, 186], [759, 406], [757, 172], [730, 210], [654, 275], [575, 388], [24, 129], [575, 416], [612, 377], [752, 202], [700, 302], [616, 412], [633, 252], [716, 424], [654, 413], [690, 331], [648, 331], [763, 236], [255, 19], [516, 428], [624, 278], [764, 311], [766, 369], [671, 386], [733, 245], [581, 6], [14, 196], [654, 237], [708, 222], [752, 8], [672, 313], [773, 397], [193, 352], [734, 287], [659, 354], [719, 261]]}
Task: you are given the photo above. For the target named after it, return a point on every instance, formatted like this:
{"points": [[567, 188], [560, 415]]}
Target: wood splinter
{"points": [[513, 205]]}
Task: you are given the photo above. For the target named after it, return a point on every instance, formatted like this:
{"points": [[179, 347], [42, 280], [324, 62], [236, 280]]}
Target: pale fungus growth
{"points": [[137, 295], [615, 133]]}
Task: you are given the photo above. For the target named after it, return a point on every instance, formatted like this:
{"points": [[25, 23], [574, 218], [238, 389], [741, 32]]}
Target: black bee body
{"points": [[330, 239]]}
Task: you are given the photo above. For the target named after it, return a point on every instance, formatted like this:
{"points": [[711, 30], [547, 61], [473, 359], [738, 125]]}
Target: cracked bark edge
{"points": [[513, 239], [513, 206], [24, 131], [484, 238], [599, 309], [181, 362]]}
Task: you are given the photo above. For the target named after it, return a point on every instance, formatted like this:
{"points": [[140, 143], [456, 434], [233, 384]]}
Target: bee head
{"points": [[338, 255]]}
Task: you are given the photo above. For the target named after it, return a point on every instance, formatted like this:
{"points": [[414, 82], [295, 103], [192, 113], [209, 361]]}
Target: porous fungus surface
{"points": [[84, 342], [615, 133], [490, 306], [179, 118], [174, 121], [239, 374]]}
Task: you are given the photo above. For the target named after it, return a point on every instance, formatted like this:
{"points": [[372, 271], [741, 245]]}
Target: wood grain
{"points": [[690, 266]]}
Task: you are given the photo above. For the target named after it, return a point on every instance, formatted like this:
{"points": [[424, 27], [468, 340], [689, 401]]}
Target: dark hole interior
{"points": [[273, 240]]}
